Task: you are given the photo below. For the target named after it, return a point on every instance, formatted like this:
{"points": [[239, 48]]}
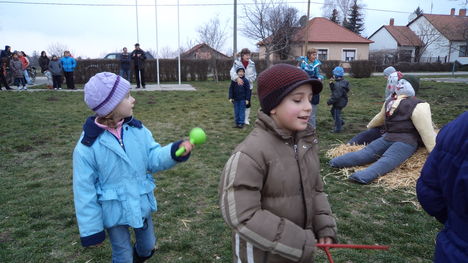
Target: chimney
{"points": [[462, 12], [452, 11], [392, 21]]}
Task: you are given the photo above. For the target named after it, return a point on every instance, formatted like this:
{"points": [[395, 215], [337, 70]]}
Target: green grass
{"points": [[40, 130]]}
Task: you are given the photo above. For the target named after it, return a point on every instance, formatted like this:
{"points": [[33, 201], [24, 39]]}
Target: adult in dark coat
{"points": [[139, 58], [442, 190], [125, 61], [5, 57]]}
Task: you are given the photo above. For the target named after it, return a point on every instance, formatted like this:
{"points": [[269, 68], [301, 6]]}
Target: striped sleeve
{"points": [[240, 202]]}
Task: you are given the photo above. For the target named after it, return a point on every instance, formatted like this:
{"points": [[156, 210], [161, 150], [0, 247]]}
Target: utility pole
{"points": [[136, 12], [157, 44], [234, 51], [306, 40], [178, 39]]}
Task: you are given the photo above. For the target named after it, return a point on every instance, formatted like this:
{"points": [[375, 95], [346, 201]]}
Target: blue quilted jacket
{"points": [[442, 190]]}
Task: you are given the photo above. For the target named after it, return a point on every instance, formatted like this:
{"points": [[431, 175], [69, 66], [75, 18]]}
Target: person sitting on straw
{"points": [[408, 123]]}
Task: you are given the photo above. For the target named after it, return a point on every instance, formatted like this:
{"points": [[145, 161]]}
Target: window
{"points": [[463, 51], [322, 54], [349, 54]]}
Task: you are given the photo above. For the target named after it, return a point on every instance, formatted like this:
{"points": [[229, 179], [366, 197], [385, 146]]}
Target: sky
{"points": [[91, 31]]}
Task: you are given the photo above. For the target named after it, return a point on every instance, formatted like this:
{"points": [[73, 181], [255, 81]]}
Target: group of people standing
{"points": [[138, 56], [16, 63]]}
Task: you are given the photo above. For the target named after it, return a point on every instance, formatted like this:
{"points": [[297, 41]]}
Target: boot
{"points": [[138, 259]]}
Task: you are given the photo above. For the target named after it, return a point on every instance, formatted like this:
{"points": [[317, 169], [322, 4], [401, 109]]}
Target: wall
{"points": [[382, 40]]}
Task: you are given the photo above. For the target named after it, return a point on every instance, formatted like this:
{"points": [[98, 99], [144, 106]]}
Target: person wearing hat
{"points": [[113, 163], [239, 96], [339, 97], [271, 193], [139, 57], [250, 74], [408, 123]]}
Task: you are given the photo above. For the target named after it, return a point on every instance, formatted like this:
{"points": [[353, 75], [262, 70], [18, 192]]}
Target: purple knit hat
{"points": [[104, 91], [278, 81]]}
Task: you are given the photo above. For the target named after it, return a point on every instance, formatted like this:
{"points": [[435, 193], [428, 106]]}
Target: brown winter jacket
{"points": [[271, 195]]}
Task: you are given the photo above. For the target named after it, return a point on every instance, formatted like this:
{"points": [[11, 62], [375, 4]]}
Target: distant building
{"points": [[442, 38], [332, 41], [202, 51]]}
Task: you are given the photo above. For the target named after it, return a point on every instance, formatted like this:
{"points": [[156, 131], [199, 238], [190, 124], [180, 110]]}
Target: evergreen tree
{"points": [[418, 11], [355, 21], [334, 16]]}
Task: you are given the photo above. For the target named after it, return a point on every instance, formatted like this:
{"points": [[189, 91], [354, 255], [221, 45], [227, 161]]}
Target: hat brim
{"points": [[316, 84]]}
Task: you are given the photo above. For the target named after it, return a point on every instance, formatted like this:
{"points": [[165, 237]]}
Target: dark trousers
{"points": [[70, 80], [20, 81], [3, 80], [140, 78], [336, 114], [57, 81]]}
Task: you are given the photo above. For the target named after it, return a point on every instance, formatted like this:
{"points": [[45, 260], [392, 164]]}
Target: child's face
{"points": [[312, 56], [246, 57], [240, 73], [294, 110], [125, 107]]}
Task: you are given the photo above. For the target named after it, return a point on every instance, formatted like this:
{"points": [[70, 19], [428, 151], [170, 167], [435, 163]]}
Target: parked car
{"points": [[117, 55]]}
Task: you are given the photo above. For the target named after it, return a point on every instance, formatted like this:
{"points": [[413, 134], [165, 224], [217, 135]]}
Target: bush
{"points": [[361, 68], [328, 66]]}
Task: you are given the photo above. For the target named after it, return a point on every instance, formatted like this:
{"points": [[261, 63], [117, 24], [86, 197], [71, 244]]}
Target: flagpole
{"points": [[157, 44]]}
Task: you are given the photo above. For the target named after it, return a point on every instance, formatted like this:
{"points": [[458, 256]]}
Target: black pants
{"points": [[57, 81], [70, 80], [3, 80], [140, 78]]}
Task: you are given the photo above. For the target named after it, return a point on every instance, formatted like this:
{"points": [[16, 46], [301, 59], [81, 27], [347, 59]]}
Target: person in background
{"points": [[240, 95], [125, 61], [113, 163], [68, 66], [139, 59], [25, 65], [338, 98], [408, 123], [44, 64], [271, 193], [5, 57], [16, 67], [442, 190], [248, 65], [311, 65], [55, 68]]}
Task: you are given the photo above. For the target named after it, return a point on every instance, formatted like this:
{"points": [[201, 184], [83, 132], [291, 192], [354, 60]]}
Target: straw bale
{"points": [[404, 176]]}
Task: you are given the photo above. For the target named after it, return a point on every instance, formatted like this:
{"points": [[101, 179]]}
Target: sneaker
{"points": [[24, 88], [55, 88], [144, 86], [137, 87]]}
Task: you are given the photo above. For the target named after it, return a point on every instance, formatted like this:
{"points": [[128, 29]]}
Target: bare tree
{"points": [[428, 36], [273, 24], [167, 52], [213, 33], [57, 49]]}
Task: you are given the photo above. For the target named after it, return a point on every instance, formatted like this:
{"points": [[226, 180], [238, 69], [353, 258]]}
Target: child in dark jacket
{"points": [[339, 97], [239, 95]]}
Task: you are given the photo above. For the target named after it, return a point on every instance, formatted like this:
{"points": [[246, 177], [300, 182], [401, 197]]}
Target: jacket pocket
{"points": [[147, 200], [113, 207]]}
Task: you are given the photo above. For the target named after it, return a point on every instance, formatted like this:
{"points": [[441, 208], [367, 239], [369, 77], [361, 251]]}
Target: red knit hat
{"points": [[278, 81]]}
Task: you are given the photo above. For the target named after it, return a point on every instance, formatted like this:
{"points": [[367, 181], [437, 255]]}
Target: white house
{"points": [[427, 38]]}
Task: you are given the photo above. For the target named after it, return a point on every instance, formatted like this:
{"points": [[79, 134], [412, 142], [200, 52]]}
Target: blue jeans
{"points": [[386, 155], [125, 73], [336, 114], [239, 111], [122, 249], [26, 76], [313, 116]]}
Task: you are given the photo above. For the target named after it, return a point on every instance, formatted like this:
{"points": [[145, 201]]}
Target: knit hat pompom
{"points": [[338, 72], [278, 81], [104, 92], [389, 70]]}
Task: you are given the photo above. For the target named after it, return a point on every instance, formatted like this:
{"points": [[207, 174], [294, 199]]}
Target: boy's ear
{"points": [[273, 111]]}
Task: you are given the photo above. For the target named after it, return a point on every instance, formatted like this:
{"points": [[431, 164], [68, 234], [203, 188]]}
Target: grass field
{"points": [[40, 130]]}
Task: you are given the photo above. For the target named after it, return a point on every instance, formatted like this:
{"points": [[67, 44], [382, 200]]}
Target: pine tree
{"points": [[418, 11], [334, 16], [355, 21]]}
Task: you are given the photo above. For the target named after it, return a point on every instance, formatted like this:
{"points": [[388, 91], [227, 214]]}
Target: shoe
{"points": [[55, 88], [8, 88], [137, 87], [24, 88], [144, 86]]}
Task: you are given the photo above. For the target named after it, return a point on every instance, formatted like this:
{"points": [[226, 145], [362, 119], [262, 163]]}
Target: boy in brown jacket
{"points": [[271, 192]]}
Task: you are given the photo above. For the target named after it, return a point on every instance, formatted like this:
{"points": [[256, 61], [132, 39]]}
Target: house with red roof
{"points": [[442, 38], [202, 51], [332, 41]]}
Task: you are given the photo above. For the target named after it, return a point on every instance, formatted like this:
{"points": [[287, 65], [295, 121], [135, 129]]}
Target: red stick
{"points": [[326, 248]]}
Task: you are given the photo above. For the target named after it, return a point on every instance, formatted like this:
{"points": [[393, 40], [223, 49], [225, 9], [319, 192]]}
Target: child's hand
{"points": [[188, 147], [325, 240], [246, 102], [231, 100]]}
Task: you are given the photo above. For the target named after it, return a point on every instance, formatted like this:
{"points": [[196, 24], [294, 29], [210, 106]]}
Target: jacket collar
{"points": [[92, 131]]}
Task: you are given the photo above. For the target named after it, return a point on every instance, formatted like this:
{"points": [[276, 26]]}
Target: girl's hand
{"points": [[188, 147], [325, 240]]}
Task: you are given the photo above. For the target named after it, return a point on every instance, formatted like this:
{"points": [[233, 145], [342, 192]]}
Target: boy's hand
{"points": [[325, 240], [188, 147], [246, 102], [240, 81]]}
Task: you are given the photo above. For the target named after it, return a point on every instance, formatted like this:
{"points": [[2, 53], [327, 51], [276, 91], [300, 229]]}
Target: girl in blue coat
{"points": [[113, 163], [442, 190]]}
